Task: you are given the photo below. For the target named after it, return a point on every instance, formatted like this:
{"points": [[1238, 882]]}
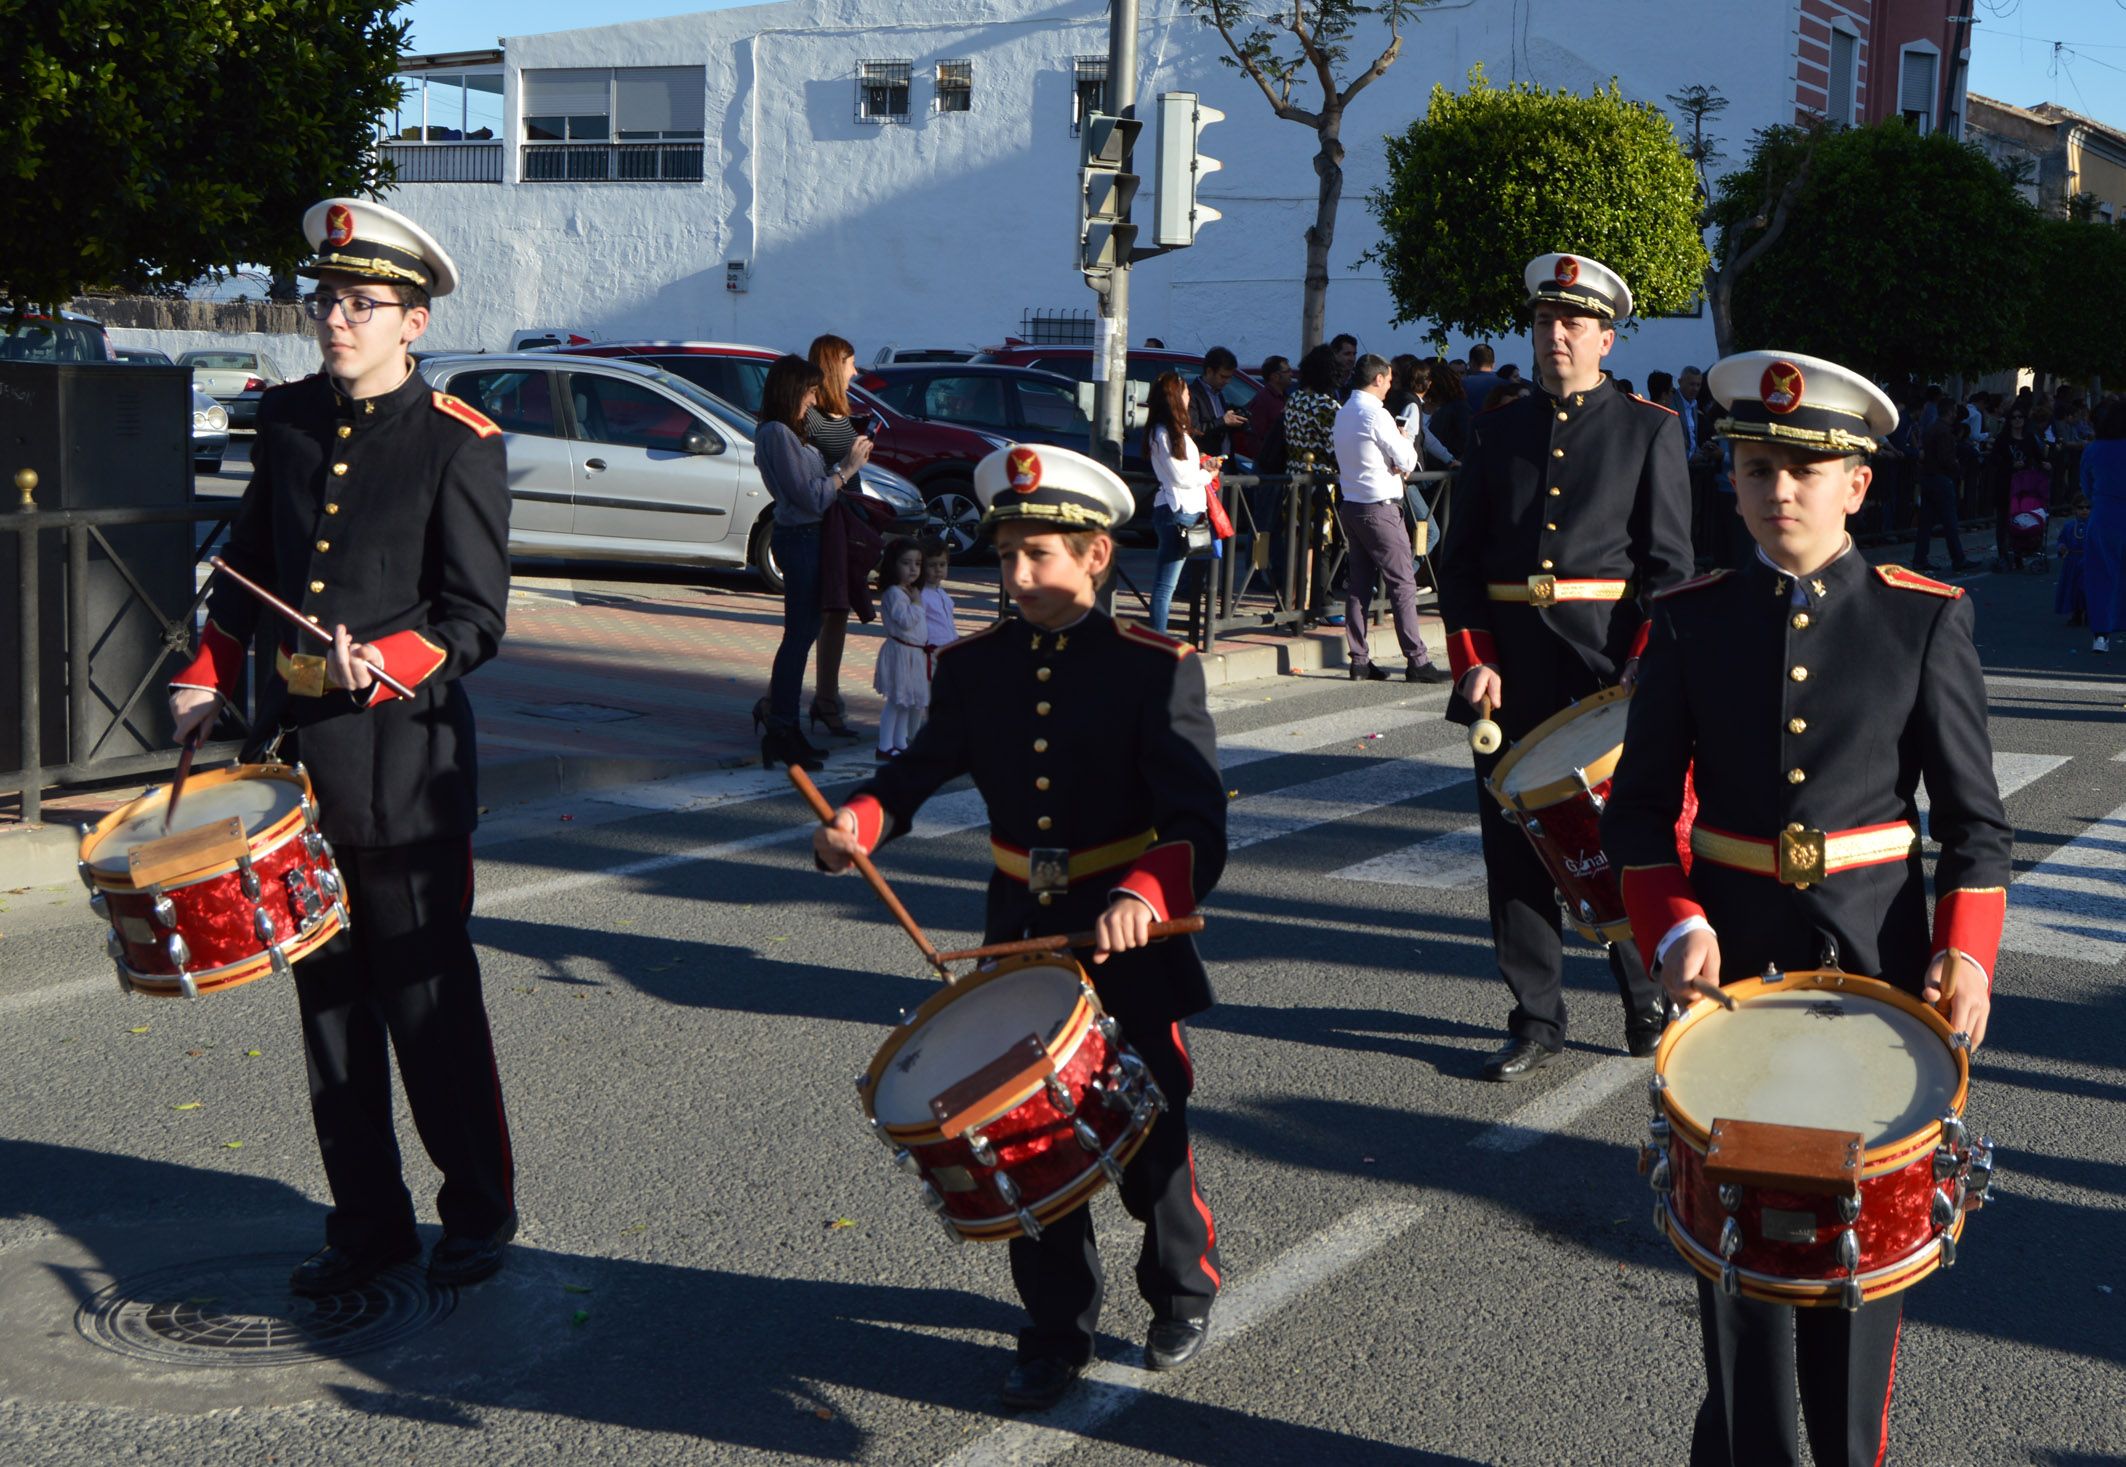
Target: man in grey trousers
{"points": [[1375, 455]]}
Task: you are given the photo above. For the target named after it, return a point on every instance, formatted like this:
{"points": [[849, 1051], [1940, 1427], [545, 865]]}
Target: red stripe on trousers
{"points": [[1181, 1045], [1210, 1229], [1882, 1442]]}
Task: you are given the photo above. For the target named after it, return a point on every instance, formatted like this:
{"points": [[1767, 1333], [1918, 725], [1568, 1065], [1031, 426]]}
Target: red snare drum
{"points": [[243, 884], [1809, 1145], [1554, 782], [1011, 1095]]}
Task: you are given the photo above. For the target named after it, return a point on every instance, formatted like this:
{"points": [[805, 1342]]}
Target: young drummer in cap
{"points": [[1814, 692], [379, 509], [1571, 509], [1091, 743]]}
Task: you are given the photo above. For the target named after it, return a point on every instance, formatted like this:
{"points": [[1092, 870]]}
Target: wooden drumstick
{"points": [[825, 812], [300, 622], [1484, 735], [1060, 941], [1954, 960], [1714, 992]]}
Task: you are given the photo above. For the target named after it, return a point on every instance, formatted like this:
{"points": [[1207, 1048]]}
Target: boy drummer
{"points": [[1814, 692], [1092, 745]]}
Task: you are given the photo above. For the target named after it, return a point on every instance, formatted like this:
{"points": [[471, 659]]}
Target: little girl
{"points": [[943, 630], [903, 675]]}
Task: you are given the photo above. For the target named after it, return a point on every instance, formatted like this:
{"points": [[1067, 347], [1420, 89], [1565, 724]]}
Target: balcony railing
{"points": [[445, 162], [612, 162]]}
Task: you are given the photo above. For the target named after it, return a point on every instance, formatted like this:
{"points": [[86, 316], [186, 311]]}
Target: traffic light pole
{"points": [[1111, 395]]}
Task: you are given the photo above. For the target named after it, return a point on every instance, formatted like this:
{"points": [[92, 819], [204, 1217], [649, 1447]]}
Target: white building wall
{"points": [[945, 229]]}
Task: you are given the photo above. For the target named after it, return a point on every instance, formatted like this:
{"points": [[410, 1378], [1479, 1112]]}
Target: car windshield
{"points": [[738, 422], [38, 339], [235, 361]]}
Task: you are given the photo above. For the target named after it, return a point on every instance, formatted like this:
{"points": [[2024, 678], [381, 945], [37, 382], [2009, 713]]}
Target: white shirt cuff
{"points": [[1676, 934]]}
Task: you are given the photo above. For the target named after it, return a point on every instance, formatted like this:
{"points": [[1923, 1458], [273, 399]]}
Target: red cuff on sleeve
{"points": [[1656, 898], [409, 657], [1640, 638], [1470, 649], [219, 665], [1970, 921], [1165, 877], [870, 820]]}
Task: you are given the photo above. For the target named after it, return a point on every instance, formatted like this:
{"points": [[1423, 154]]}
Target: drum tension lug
{"points": [[1006, 1188], [984, 1153], [1730, 1238], [1088, 1139], [1111, 1169], [1730, 1197], [1849, 1208], [1029, 1226], [279, 956], [1853, 1298], [1948, 1250], [1059, 1096], [163, 909], [1730, 1281], [247, 877]]}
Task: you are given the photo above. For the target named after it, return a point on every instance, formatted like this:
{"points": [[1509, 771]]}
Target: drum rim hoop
{"points": [[1543, 796], [1891, 1278], [243, 970], [1075, 1028], [273, 836], [1890, 1155], [1056, 1204]]}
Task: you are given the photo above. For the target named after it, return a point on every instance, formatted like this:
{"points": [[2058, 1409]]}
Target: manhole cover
{"points": [[581, 712], [237, 1311]]}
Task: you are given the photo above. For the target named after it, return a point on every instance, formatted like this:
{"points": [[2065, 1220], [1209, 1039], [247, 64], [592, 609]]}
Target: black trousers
{"points": [[1178, 1270], [404, 977], [1761, 1360]]}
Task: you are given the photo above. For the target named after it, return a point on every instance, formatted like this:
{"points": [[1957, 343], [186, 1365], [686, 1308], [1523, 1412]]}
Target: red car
{"points": [[1145, 364], [938, 457]]}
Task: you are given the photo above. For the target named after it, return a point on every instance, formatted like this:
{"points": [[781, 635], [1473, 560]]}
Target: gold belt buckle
{"points": [[1542, 590], [1801, 855], [1048, 870], [305, 674]]}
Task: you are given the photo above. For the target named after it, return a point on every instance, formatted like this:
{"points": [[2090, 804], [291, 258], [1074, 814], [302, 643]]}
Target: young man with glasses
{"points": [[379, 509]]}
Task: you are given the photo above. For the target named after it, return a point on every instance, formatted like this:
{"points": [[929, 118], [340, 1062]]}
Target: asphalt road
{"points": [[718, 1264]]}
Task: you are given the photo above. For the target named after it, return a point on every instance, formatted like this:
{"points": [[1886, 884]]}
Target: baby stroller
{"points": [[2028, 493]]}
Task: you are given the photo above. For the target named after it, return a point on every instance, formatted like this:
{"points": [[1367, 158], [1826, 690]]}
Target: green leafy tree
{"points": [[151, 141], [2065, 328], [1903, 255], [1527, 172], [1287, 48]]}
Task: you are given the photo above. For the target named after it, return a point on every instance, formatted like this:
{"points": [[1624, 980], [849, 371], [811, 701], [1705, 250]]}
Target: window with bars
{"points": [[1088, 93], [955, 84], [882, 90]]}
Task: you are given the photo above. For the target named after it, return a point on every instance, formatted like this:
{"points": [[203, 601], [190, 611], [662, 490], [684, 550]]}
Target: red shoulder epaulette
{"points": [[466, 413], [991, 630], [1693, 583], [1146, 637], [1911, 580], [1652, 404]]}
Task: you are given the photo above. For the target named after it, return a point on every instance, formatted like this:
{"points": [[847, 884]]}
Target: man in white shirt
{"points": [[1374, 455]]}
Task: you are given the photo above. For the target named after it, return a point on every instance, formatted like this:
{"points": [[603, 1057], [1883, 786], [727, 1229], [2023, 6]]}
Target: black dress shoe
{"points": [[1426, 672], [333, 1269], [1517, 1059], [1037, 1384], [463, 1258], [1172, 1343], [1366, 672], [1641, 1041]]}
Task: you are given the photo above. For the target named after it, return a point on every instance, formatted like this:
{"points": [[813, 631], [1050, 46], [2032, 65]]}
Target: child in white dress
{"points": [[903, 674], [938, 616]]}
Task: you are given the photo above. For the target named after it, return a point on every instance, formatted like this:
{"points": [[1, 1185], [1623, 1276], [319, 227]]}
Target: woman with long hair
{"points": [[830, 428], [2021, 460], [1184, 485], [1310, 412], [1447, 408], [804, 490]]}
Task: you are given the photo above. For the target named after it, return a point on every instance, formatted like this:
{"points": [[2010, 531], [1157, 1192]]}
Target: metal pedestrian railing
{"points": [[84, 757]]}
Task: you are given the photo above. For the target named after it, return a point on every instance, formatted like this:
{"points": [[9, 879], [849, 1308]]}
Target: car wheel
{"points": [[760, 553], [206, 465], [955, 516]]}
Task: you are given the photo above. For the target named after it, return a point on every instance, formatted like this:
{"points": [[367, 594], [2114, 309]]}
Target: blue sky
{"points": [[2014, 57]]}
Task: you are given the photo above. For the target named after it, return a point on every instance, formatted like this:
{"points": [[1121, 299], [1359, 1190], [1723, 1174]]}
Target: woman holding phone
{"points": [[830, 428]]}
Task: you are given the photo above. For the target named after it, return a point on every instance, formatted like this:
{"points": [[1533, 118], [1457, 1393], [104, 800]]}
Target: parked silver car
{"points": [[235, 379], [210, 432], [613, 460]]}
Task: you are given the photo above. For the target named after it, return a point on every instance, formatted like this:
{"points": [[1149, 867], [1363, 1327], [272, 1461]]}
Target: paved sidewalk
{"points": [[614, 676]]}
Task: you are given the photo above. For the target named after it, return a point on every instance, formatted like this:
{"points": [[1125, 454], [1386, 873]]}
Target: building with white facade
{"points": [[906, 172]]}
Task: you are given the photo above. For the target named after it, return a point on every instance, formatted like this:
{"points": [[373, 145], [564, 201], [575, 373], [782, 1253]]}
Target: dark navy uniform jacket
{"points": [[1592, 486], [1084, 739], [390, 515], [1814, 704]]}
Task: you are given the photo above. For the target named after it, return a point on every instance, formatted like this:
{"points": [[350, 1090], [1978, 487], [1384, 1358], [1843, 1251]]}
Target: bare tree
{"points": [[1778, 168], [1284, 46]]}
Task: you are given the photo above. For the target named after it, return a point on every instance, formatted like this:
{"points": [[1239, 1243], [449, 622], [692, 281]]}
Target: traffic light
{"points": [[1181, 167], [1106, 188]]}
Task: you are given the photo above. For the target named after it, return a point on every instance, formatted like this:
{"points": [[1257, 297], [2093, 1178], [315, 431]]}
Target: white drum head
{"points": [[1578, 745], [969, 1033], [259, 802], [1814, 1057]]}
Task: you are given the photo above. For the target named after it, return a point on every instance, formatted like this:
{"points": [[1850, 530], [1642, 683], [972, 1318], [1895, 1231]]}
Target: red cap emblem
{"points": [[1568, 271], [339, 225], [1780, 387], [1023, 468]]}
